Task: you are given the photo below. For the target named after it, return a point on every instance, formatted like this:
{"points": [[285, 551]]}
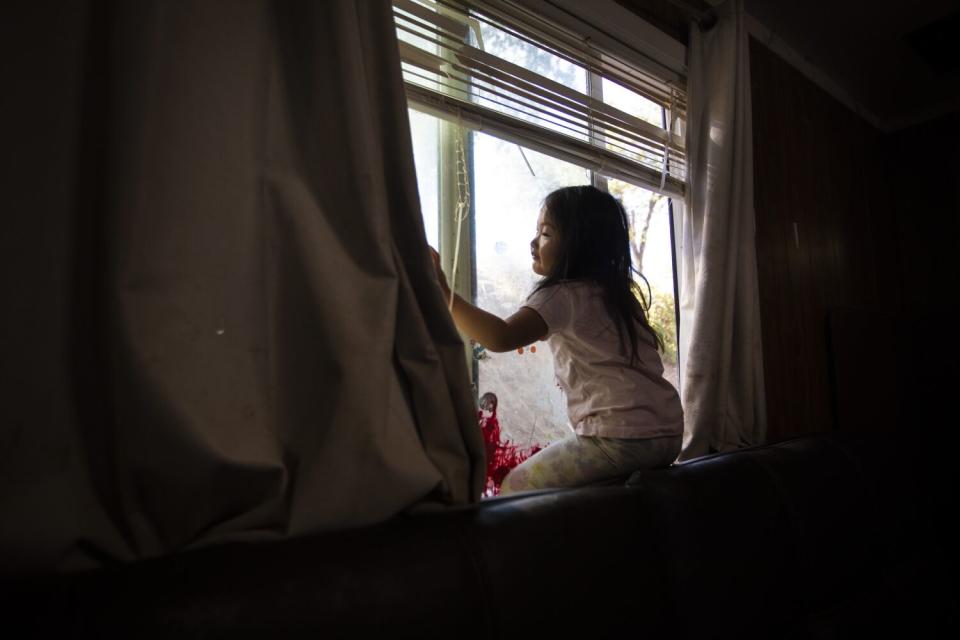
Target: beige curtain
{"points": [[720, 339], [221, 320]]}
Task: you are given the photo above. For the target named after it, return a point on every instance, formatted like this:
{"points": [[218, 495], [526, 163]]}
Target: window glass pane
{"points": [[635, 105], [413, 73], [507, 194], [507, 198], [425, 131], [632, 103], [519, 52], [652, 251]]}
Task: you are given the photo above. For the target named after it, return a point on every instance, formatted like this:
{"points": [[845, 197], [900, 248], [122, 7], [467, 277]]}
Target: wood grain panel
{"points": [[815, 175]]}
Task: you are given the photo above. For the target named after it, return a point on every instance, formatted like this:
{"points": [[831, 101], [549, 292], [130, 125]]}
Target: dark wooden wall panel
{"points": [[876, 219], [817, 181]]}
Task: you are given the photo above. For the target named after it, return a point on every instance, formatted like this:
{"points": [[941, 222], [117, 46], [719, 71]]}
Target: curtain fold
{"points": [[720, 338], [232, 327]]}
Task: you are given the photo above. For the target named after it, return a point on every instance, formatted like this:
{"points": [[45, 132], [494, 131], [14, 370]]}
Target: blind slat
{"points": [[610, 68], [582, 154], [454, 27], [620, 138], [461, 82], [537, 88], [528, 26]]}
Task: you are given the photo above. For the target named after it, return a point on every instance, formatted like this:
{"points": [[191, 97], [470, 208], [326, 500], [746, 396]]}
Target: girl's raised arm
{"points": [[494, 333]]}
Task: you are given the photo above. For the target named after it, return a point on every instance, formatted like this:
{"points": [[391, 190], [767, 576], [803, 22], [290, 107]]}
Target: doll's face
{"points": [[488, 404]]}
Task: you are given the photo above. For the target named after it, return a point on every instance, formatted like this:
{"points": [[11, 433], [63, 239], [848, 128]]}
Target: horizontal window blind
{"points": [[560, 94]]}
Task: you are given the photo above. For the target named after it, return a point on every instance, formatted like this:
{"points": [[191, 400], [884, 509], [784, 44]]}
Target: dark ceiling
{"points": [[898, 60]]}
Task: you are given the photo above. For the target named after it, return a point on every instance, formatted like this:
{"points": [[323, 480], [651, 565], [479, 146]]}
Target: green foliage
{"points": [[662, 319]]}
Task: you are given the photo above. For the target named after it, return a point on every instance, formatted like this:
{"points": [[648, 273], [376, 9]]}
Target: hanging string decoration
{"points": [[502, 454], [463, 205]]}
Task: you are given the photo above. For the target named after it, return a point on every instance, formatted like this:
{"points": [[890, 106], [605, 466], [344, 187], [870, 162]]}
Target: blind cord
{"points": [[666, 147], [463, 205]]}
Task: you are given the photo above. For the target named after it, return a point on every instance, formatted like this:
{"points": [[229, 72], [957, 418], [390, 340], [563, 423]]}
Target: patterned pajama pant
{"points": [[582, 460]]}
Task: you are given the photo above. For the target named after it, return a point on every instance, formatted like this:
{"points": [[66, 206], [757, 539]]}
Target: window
{"points": [[502, 113], [509, 187], [425, 131]]}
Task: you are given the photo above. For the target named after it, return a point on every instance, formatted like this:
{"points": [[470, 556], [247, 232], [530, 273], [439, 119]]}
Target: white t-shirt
{"points": [[606, 395]]}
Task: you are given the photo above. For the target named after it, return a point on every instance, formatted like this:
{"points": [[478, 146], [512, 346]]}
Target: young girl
{"points": [[625, 415]]}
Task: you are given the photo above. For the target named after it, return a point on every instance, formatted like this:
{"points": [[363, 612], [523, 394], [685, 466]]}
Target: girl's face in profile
{"points": [[545, 245]]}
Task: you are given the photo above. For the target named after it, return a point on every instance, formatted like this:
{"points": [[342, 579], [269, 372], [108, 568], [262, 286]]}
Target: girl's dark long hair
{"points": [[595, 246]]}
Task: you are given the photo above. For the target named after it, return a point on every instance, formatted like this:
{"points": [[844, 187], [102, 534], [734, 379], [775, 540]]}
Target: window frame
{"points": [[465, 280]]}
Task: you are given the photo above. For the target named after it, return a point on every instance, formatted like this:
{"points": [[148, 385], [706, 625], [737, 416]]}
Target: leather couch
{"points": [[822, 536]]}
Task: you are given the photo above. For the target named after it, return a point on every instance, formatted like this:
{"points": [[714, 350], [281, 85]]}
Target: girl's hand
{"points": [[495, 334], [441, 278]]}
